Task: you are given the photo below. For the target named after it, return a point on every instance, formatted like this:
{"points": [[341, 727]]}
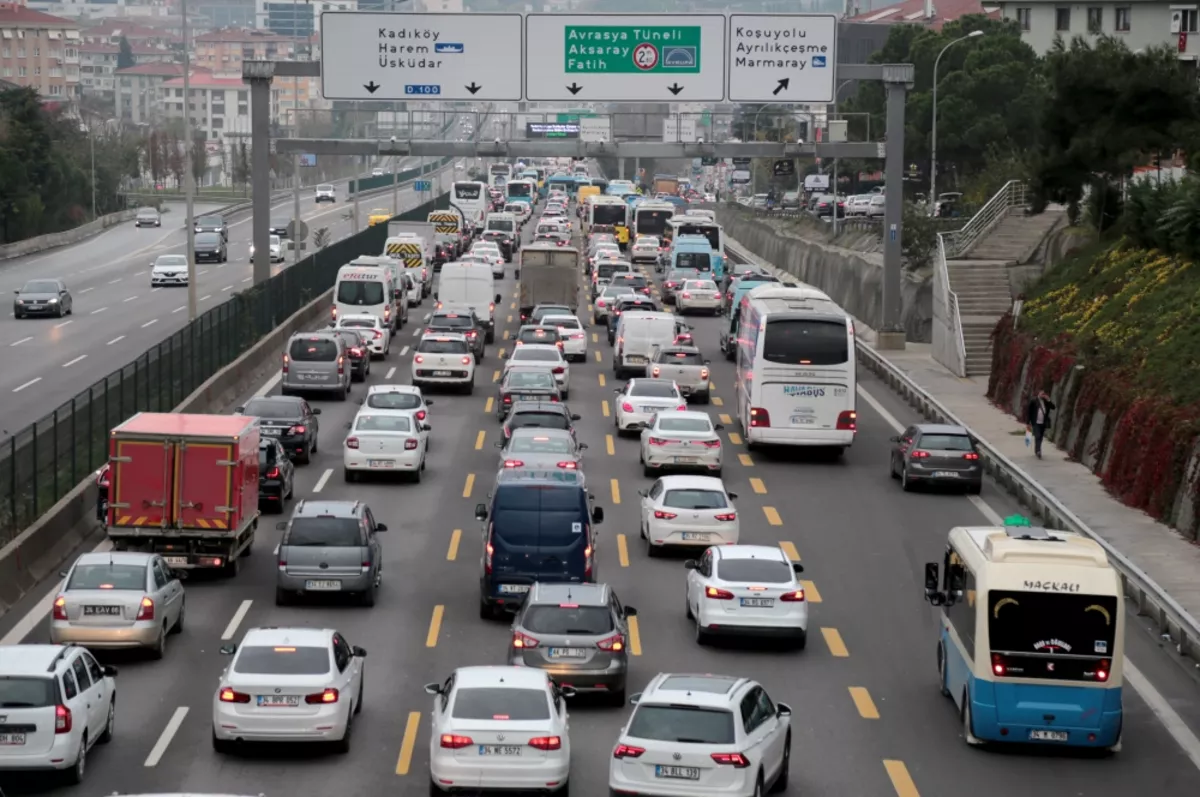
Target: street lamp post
{"points": [[836, 92], [189, 187], [933, 144]]}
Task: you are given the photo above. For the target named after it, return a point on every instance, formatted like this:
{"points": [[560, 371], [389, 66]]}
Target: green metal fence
{"points": [[46, 460], [385, 180]]}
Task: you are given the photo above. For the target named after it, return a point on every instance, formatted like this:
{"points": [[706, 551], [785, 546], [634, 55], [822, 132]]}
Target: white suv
{"points": [[702, 735], [56, 702]]}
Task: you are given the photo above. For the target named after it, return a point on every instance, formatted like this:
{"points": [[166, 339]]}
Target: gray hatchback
{"points": [[936, 453], [330, 547], [578, 634]]}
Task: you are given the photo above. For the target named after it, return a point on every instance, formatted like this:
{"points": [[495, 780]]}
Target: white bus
{"points": [[500, 174], [795, 380], [1031, 643], [472, 201], [650, 218]]}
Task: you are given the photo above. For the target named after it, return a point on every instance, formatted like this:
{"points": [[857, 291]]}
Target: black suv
{"points": [[215, 224], [276, 475], [359, 353], [523, 383], [289, 420], [459, 321], [539, 415]]}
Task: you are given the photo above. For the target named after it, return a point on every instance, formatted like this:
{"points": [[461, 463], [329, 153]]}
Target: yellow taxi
{"points": [[379, 216]]}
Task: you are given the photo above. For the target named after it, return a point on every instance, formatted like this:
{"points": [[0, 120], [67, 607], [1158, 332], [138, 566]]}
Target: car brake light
{"points": [[736, 760], [230, 696], [410, 444], [998, 667], [466, 360], [796, 596], [626, 406], [341, 365], [60, 608], [661, 515], [1103, 670], [686, 295], [919, 454], [671, 284], [711, 443], [297, 429], [627, 751], [616, 642], [286, 360], [718, 594], [333, 313], [273, 473], [453, 741], [704, 373], [514, 463], [600, 303], [356, 351], [418, 359], [523, 641], [560, 369], [656, 372], [352, 442], [728, 518], [326, 696], [146, 609], [681, 408], [378, 335], [717, 295], [422, 415], [657, 441], [759, 418], [847, 420], [546, 742], [971, 455], [62, 719], [568, 465]]}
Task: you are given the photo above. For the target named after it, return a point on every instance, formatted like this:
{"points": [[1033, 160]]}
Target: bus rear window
{"points": [[697, 260], [797, 341], [1052, 635]]}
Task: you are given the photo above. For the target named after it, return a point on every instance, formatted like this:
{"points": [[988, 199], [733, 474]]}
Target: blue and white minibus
{"points": [[1032, 639]]}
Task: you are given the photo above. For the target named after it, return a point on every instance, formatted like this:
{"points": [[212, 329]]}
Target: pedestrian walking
{"points": [[1037, 419]]}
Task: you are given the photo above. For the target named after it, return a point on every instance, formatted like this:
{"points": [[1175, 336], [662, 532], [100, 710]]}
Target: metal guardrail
{"points": [[1152, 601], [956, 358], [1011, 195]]}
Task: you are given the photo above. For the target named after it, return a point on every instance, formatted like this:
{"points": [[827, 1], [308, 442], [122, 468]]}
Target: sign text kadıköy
{"points": [[624, 58], [393, 56], [787, 58]]}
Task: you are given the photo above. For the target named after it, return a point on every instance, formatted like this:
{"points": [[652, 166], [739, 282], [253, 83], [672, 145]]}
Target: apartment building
{"points": [[297, 20], [222, 52], [98, 63], [1138, 24], [138, 92], [111, 31], [39, 51]]}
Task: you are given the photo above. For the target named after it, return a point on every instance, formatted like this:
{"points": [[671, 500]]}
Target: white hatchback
{"points": [[571, 335], [499, 728], [747, 591], [288, 685], [677, 440], [377, 334], [688, 512], [548, 356], [444, 359], [385, 441], [702, 736]]}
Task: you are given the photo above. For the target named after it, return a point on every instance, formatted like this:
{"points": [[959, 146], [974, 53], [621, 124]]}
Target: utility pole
{"points": [[296, 155], [189, 188]]}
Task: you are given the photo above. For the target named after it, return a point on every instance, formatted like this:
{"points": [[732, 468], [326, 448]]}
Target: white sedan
{"points": [[571, 335], [688, 512], [386, 441], [276, 247], [499, 728], [374, 331], [641, 399], [747, 591], [681, 441], [548, 356], [698, 295], [288, 685]]}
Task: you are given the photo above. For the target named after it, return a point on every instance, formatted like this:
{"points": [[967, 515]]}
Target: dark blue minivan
{"points": [[540, 527]]}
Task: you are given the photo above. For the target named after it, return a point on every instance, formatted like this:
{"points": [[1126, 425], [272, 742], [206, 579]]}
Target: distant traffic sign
{"points": [[595, 128], [625, 57], [422, 185], [451, 57], [781, 57]]}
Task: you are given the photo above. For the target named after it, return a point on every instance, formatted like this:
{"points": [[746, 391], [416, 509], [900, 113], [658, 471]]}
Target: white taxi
{"points": [[387, 441], [377, 334], [444, 359], [544, 355]]}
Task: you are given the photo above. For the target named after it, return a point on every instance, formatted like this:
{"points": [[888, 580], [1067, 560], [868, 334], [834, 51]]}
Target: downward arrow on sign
{"points": [[371, 87]]}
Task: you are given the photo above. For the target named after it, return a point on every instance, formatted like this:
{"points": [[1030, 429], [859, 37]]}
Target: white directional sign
{"points": [[449, 57], [624, 57], [595, 128], [786, 58], [676, 130]]}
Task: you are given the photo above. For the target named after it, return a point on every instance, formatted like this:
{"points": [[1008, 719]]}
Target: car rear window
{"points": [[562, 620], [564, 323], [491, 703], [20, 692], [763, 571], [666, 424], [271, 408], [538, 335], [541, 420], [451, 321], [683, 358], [634, 280], [331, 532], [360, 292], [695, 499], [652, 389], [108, 576], [266, 456], [946, 442], [394, 401], [540, 445], [531, 379], [281, 660], [435, 346], [683, 724], [383, 423], [536, 355], [310, 350], [358, 323]]}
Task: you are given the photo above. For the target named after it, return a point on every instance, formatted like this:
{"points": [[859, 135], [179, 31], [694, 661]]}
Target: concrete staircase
{"points": [[1016, 237], [983, 296]]}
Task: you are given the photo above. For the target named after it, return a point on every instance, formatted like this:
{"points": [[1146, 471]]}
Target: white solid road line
{"points": [[130, 299], [1170, 719], [85, 290], [22, 340], [62, 324], [164, 741], [150, 323], [238, 616], [33, 381], [391, 372], [179, 309], [80, 358], [227, 288], [403, 352], [117, 339], [247, 279], [114, 282], [206, 297], [101, 310], [320, 485]]}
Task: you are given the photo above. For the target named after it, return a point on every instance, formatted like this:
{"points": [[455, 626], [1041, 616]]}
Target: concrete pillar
{"points": [[891, 332], [260, 176]]}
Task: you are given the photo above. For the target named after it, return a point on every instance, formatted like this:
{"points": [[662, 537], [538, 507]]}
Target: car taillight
{"points": [[560, 369], [759, 418], [453, 741], [796, 596], [728, 518], [718, 594], [681, 408], [356, 352], [273, 473], [717, 295], [466, 361], [919, 454], [657, 371], [627, 751], [971, 455], [847, 420], [298, 429], [736, 760], [146, 609], [428, 331], [998, 667], [616, 642], [1103, 670], [661, 515], [286, 360], [318, 698], [489, 549], [410, 444], [230, 696], [62, 719], [341, 365], [333, 313], [626, 406], [60, 608], [546, 742], [514, 463], [657, 441], [568, 465], [671, 284], [600, 303], [686, 295], [560, 345], [422, 415], [418, 359], [523, 641], [352, 442], [471, 334], [704, 373], [387, 312], [378, 335]]}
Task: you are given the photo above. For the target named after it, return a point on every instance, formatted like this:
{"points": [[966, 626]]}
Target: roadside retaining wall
{"points": [[852, 279], [56, 239]]}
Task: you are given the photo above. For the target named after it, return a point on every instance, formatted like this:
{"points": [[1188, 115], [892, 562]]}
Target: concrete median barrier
{"points": [[66, 237]]}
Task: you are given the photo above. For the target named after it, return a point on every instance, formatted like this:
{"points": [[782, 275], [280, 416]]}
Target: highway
{"points": [[117, 315], [868, 720]]}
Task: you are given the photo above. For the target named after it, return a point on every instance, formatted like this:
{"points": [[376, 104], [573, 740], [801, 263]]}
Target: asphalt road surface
{"points": [[868, 720]]}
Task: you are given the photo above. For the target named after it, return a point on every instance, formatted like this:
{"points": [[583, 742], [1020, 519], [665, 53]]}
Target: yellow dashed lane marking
{"points": [[506, 334], [745, 460], [758, 486], [496, 376], [500, 354], [595, 338], [616, 491], [601, 376], [834, 640], [864, 703], [455, 538], [470, 485], [598, 357], [635, 638], [604, 407], [902, 782], [622, 550], [480, 439], [410, 740], [772, 516], [725, 418], [435, 625], [608, 445], [490, 403], [736, 439], [811, 594], [509, 321], [789, 550], [717, 401]]}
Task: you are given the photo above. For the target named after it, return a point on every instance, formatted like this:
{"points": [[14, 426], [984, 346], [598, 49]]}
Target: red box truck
{"points": [[186, 487]]}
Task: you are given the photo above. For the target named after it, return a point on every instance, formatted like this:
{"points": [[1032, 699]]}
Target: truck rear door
{"points": [[140, 492], [204, 488]]}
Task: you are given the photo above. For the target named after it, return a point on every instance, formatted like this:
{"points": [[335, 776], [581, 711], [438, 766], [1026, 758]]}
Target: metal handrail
{"points": [[954, 320], [1011, 195]]}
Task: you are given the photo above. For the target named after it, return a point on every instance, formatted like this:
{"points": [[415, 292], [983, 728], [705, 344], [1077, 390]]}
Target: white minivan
{"points": [[471, 284], [363, 289], [638, 333], [399, 297]]}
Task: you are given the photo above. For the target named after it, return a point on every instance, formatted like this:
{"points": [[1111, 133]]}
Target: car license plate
{"points": [[499, 749], [758, 603], [565, 653], [686, 460], [103, 611], [269, 432], [514, 589], [11, 739], [175, 560], [636, 359], [942, 474], [1048, 736], [803, 420], [701, 536], [323, 586], [441, 373], [528, 397], [678, 773], [278, 701], [381, 463]]}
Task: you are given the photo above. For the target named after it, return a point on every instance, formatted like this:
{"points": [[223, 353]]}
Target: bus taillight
{"points": [[1103, 670], [998, 667], [759, 417], [847, 421]]}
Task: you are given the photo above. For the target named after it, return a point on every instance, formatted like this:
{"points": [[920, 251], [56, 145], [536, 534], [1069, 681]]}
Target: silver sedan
{"points": [[681, 441], [541, 449]]}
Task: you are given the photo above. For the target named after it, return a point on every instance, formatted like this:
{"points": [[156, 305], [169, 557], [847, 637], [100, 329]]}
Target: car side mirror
{"points": [[239, 410], [719, 427], [426, 427], [349, 424], [583, 446], [783, 710], [481, 512], [576, 417], [359, 652], [433, 689], [228, 650], [109, 670], [797, 567], [894, 439], [499, 298], [732, 496], [691, 564], [630, 611], [281, 525], [598, 515], [498, 445], [180, 575], [381, 527], [931, 582], [316, 411], [63, 573], [634, 698], [428, 403], [567, 692]]}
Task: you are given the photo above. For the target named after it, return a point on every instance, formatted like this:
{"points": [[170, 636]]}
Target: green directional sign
{"points": [[632, 49]]}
